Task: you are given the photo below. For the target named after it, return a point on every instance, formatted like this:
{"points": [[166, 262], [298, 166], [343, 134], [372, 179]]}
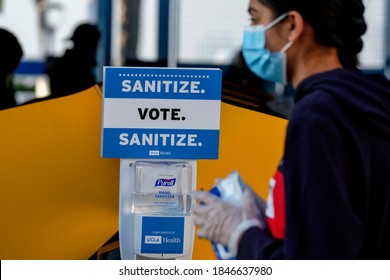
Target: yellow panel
{"points": [[59, 199]]}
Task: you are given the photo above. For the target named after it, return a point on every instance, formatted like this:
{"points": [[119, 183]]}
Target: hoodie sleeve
{"points": [[320, 220], [257, 244]]}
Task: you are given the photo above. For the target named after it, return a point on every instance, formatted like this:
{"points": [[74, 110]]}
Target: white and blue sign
{"points": [[162, 113], [162, 235]]}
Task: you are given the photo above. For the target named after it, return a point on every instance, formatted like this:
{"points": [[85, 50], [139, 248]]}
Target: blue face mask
{"points": [[266, 65]]}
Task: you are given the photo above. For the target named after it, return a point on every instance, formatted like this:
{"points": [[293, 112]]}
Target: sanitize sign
{"points": [[161, 113]]}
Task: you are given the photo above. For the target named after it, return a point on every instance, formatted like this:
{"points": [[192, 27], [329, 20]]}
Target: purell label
{"points": [[165, 182]]}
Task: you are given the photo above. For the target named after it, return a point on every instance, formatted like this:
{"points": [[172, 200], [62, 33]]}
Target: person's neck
{"points": [[315, 61]]}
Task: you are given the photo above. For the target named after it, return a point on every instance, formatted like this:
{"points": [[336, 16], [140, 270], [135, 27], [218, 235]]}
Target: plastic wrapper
{"points": [[231, 190]]}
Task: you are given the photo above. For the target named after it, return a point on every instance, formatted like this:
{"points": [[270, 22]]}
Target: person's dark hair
{"points": [[10, 50], [86, 35], [338, 23]]}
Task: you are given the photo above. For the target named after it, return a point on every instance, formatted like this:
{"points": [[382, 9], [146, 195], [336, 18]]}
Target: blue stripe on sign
{"points": [[160, 143], [162, 83]]}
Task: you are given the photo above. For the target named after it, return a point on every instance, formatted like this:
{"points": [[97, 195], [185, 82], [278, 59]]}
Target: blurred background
{"points": [[184, 33]]}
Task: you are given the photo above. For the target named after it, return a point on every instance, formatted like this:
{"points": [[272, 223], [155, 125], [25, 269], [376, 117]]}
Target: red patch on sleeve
{"points": [[275, 211]]}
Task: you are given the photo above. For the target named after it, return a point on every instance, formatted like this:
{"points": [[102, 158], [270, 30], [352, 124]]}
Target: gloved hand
{"points": [[223, 222], [260, 203]]}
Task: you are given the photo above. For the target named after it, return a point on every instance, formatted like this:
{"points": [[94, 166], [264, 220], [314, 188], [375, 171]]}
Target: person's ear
{"points": [[296, 25]]}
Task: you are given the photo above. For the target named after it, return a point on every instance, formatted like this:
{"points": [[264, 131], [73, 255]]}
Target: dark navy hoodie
{"points": [[335, 174]]}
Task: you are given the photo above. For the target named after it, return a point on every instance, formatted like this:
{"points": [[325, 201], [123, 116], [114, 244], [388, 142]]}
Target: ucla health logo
{"points": [[152, 239], [165, 182]]}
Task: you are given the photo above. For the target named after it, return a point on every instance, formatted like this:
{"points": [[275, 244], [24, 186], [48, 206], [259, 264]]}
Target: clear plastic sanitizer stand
{"points": [[159, 121], [155, 206]]}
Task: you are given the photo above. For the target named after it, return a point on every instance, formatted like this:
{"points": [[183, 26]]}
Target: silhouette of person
{"points": [[73, 72], [10, 55]]}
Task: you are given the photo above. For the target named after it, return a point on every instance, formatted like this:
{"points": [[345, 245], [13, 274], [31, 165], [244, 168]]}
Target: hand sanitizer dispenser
{"points": [[153, 124], [155, 208]]}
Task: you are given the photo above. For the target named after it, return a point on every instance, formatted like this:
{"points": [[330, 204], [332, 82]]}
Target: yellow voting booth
{"points": [[59, 198]]}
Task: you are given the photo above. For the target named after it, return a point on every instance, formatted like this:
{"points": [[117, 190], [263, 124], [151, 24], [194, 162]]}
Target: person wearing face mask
{"points": [[330, 196]]}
